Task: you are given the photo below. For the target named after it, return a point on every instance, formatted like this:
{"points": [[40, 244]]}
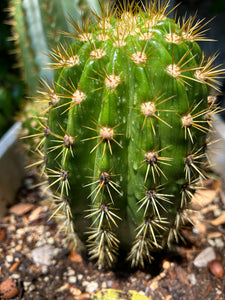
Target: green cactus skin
{"points": [[125, 139], [36, 24]]}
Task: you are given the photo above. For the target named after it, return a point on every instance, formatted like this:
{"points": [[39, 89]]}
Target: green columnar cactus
{"points": [[125, 138]]}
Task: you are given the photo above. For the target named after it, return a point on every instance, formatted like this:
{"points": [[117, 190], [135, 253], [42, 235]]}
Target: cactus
{"points": [[125, 137]]}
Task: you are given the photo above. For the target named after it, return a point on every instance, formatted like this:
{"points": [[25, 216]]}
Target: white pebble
{"points": [[79, 277], [217, 212], [29, 238], [191, 278], [9, 258], [15, 276], [47, 234], [51, 241], [20, 231], [204, 257], [32, 287], [56, 251], [72, 279], [46, 279], [42, 256], [70, 272], [40, 243], [219, 243], [13, 244], [26, 284], [91, 287], [12, 219]]}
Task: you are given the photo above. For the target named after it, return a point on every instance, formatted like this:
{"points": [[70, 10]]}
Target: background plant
{"points": [[36, 26], [11, 87]]}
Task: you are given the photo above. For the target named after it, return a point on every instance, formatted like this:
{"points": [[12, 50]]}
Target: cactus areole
{"points": [[125, 136]]}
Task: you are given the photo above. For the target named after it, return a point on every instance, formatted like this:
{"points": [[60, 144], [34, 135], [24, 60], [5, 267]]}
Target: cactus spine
{"points": [[125, 137]]}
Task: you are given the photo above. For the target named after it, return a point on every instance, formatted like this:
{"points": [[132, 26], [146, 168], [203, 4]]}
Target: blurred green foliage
{"points": [[11, 87]]}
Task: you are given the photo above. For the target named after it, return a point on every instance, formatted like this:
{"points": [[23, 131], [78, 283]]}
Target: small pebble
{"points": [[9, 258], [20, 231], [12, 220], [79, 277], [32, 287], [219, 243], [42, 256], [216, 268], [51, 241], [70, 272], [8, 289], [46, 279], [91, 287], [109, 283], [217, 212], [16, 276], [13, 244], [47, 234], [191, 278], [72, 279], [18, 247], [30, 239], [204, 257], [26, 284]]}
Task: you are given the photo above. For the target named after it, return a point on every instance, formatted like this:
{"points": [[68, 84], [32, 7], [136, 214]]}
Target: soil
{"points": [[39, 263]]}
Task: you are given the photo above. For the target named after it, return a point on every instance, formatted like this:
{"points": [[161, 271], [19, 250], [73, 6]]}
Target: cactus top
{"points": [[126, 129]]}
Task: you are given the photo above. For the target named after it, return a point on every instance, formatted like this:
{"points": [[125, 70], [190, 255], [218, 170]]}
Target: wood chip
{"points": [[15, 266], [83, 296], [75, 257], [154, 285], [2, 234], [214, 235], [204, 197], [181, 275], [21, 208], [63, 287], [218, 221], [8, 289], [217, 185], [209, 208], [198, 224], [35, 214], [6, 219]]}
